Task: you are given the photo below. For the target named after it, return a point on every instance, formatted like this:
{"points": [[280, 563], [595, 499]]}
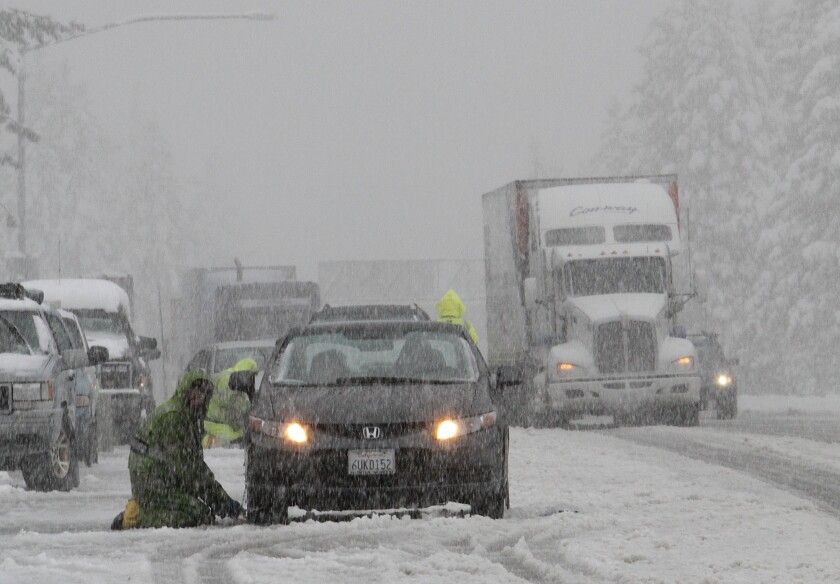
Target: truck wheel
{"points": [[57, 469], [727, 410], [690, 415], [491, 505]]}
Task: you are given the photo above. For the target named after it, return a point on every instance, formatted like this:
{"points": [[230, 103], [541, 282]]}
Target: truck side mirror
{"points": [[97, 355], [147, 343], [701, 286], [530, 289], [244, 381], [735, 361]]}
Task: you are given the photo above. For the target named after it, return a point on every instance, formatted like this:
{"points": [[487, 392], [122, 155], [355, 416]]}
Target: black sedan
{"points": [[374, 415]]}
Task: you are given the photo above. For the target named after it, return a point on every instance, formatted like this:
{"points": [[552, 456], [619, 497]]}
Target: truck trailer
{"points": [[581, 303]]}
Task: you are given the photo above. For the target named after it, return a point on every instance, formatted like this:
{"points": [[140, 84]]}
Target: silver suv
{"points": [[38, 370]]}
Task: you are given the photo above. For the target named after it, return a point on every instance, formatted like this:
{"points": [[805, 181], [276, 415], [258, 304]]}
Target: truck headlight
{"points": [[454, 427], [685, 363], [723, 380], [566, 369]]}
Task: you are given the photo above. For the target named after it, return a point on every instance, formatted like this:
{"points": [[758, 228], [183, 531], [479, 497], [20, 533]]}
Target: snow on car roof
{"points": [[15, 304], [245, 344], [83, 294]]}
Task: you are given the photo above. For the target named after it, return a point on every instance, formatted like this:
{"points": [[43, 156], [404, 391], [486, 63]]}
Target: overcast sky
{"points": [[358, 130]]}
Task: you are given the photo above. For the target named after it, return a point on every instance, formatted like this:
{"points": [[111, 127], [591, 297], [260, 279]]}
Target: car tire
{"points": [[490, 505], [265, 508], [55, 470]]}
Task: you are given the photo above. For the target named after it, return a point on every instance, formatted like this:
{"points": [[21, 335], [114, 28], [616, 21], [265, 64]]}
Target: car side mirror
{"points": [[507, 376], [97, 355], [147, 343], [244, 382]]}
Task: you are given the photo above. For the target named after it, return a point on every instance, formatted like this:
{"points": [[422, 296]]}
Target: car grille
{"points": [[5, 399], [386, 430], [625, 347], [116, 375]]}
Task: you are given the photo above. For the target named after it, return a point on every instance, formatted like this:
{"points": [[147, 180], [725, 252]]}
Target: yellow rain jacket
{"points": [[225, 421], [451, 309]]}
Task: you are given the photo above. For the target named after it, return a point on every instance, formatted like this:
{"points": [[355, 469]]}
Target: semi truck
{"points": [[581, 301], [237, 304]]}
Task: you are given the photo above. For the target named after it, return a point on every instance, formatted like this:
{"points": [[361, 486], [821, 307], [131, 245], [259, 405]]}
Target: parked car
{"points": [[719, 384], [39, 368], [215, 358], [104, 310], [87, 392], [369, 312], [372, 415]]}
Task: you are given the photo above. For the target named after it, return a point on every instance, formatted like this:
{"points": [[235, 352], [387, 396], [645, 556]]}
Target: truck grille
{"points": [[116, 375], [625, 347]]}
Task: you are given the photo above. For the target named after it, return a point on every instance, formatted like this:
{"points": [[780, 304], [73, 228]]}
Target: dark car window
{"points": [[329, 358], [11, 340], [201, 360], [226, 358], [33, 328], [74, 332], [62, 337]]}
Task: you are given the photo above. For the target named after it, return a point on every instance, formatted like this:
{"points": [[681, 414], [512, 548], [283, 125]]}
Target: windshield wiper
{"points": [[379, 379]]}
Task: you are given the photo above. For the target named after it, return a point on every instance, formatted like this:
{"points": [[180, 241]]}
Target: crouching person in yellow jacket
{"points": [[171, 485], [228, 411]]}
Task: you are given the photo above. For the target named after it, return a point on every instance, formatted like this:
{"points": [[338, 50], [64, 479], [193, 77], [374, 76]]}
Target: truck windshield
{"points": [[615, 276]]}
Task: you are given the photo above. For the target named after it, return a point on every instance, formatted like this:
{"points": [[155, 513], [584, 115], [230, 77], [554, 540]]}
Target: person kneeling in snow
{"points": [[171, 485]]}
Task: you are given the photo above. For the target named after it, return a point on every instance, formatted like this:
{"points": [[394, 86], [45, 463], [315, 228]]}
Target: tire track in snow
{"points": [[820, 485]]}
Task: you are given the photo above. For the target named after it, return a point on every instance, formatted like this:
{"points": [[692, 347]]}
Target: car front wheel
{"points": [[264, 508], [57, 469]]}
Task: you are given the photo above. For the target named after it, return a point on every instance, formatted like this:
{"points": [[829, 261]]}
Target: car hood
{"points": [[610, 306], [375, 404], [116, 344], [14, 367]]}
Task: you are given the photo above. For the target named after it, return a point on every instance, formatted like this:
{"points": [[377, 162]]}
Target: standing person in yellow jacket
{"points": [[451, 309], [228, 410]]}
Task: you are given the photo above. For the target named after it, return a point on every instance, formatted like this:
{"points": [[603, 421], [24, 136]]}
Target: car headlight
{"points": [[453, 427], [723, 380], [33, 391], [289, 431]]}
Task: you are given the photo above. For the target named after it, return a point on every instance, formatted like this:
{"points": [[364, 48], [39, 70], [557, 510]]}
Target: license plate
{"points": [[371, 462]]}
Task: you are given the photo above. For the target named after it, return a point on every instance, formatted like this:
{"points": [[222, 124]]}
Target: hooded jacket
{"points": [[451, 309], [169, 478], [225, 421]]}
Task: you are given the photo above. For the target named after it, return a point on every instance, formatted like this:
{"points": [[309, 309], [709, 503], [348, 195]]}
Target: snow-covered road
{"points": [[586, 507]]}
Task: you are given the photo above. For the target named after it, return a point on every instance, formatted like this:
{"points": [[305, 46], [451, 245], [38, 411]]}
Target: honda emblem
{"points": [[372, 432]]}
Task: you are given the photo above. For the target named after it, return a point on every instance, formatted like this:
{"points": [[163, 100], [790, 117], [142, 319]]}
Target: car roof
{"points": [[379, 325], [368, 312], [244, 344]]}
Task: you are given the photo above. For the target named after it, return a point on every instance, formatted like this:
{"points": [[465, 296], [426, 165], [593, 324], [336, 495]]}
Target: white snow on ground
{"points": [[586, 507], [813, 404]]}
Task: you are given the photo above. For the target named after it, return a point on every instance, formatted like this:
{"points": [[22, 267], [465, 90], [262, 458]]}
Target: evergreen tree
{"points": [[703, 110]]}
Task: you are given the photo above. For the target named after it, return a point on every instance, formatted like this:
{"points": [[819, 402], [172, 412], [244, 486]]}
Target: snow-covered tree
{"points": [[800, 245], [702, 109], [18, 29]]}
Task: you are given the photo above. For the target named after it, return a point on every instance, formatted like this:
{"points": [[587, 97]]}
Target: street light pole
{"points": [[21, 110]]}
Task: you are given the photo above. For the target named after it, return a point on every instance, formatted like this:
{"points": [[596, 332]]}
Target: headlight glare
{"points": [[452, 428], [724, 380], [296, 433]]}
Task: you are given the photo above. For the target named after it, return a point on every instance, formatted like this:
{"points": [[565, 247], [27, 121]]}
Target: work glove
{"points": [[231, 509]]}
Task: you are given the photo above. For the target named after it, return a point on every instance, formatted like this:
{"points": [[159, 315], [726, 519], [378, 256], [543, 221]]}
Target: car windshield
{"points": [[380, 355], [615, 276], [11, 341], [32, 328], [226, 358]]}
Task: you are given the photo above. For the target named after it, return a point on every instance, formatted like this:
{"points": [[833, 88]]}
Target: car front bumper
{"points": [[426, 474], [27, 432]]}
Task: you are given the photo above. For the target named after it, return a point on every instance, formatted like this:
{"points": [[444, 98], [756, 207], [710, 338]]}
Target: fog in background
{"points": [[364, 130]]}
